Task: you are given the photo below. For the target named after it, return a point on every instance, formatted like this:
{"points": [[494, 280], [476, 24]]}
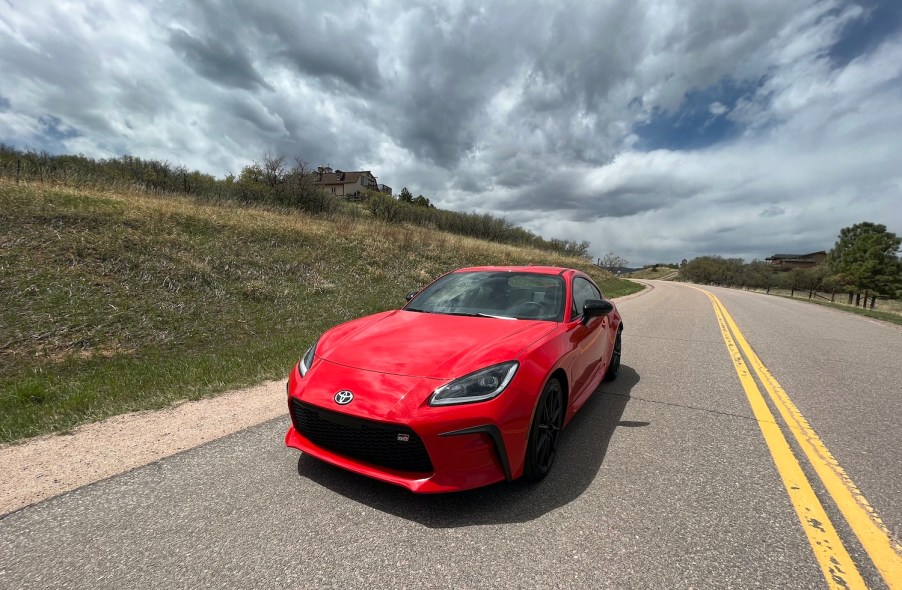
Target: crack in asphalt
{"points": [[686, 407]]}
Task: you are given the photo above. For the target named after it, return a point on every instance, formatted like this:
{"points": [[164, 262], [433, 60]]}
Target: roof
{"points": [[347, 177], [800, 257], [541, 270]]}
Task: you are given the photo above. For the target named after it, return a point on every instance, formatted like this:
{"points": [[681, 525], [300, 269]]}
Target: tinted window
{"points": [[583, 290], [515, 295]]}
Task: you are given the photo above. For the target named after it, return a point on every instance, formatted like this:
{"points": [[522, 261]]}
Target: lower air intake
{"points": [[387, 445]]}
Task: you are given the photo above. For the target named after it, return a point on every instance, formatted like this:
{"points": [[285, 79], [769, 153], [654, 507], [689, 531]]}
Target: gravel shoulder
{"points": [[40, 468]]}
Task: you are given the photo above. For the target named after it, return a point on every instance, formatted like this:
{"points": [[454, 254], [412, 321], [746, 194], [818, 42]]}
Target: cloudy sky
{"points": [[659, 130]]}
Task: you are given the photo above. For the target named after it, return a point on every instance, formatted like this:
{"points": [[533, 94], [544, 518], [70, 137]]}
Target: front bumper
{"points": [[458, 459], [479, 466], [378, 434]]}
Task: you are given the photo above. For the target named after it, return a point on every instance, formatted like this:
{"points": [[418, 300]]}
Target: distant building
{"points": [[347, 185], [788, 261]]}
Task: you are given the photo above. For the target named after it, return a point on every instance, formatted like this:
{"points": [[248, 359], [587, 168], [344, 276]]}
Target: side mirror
{"points": [[411, 295], [593, 308]]}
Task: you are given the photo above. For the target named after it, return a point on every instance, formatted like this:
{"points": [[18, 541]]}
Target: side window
{"points": [[583, 290]]}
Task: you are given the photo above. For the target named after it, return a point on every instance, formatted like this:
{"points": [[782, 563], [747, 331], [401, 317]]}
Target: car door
{"points": [[589, 341]]}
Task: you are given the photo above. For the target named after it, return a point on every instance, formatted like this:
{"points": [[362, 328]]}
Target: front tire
{"points": [[545, 431], [614, 365]]}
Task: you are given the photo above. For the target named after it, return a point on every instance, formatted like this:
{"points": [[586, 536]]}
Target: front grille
{"points": [[373, 442]]}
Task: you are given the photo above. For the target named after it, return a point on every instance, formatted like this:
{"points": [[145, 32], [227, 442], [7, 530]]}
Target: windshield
{"points": [[509, 295]]}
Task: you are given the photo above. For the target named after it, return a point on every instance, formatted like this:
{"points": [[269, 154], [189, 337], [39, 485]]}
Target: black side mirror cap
{"points": [[411, 295], [593, 308]]}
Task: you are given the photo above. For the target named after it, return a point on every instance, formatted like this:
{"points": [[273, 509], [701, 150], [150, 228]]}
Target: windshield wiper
{"points": [[469, 315], [497, 317]]}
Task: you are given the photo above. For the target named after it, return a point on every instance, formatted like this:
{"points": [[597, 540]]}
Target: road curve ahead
{"points": [[749, 442]]}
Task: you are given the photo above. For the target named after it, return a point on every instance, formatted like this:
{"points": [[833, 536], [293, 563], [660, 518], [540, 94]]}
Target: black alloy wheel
{"points": [[614, 366], [545, 431]]}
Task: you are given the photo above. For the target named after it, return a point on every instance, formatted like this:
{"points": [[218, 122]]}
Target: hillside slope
{"points": [[117, 301], [663, 273]]}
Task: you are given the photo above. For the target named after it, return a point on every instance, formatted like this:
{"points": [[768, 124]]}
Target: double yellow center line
{"points": [[838, 568]]}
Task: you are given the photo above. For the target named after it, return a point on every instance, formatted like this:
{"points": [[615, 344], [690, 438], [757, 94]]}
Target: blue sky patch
{"points": [[882, 19], [701, 121], [54, 135], [55, 129]]}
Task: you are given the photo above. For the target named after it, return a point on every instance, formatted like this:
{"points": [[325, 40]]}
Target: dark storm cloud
{"points": [[140, 95], [331, 43], [316, 58], [328, 48], [773, 211], [575, 79], [216, 61], [314, 145], [256, 114], [577, 202], [55, 59], [455, 62]]}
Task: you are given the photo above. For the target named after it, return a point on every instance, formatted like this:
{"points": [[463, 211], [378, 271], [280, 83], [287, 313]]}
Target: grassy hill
{"points": [[661, 272], [118, 301]]}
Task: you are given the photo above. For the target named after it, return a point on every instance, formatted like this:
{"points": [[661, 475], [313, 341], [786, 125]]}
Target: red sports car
{"points": [[469, 384]]}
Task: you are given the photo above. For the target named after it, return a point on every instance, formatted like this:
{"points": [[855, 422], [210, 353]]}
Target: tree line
{"points": [[864, 262], [477, 225], [273, 181]]}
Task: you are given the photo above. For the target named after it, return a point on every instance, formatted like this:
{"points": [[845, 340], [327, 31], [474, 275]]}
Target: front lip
{"points": [[493, 467]]}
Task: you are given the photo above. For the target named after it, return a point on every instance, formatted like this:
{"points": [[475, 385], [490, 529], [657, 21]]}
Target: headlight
{"points": [[307, 359], [480, 386]]}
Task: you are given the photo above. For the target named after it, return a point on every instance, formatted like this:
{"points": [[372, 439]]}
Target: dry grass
{"points": [[654, 273], [119, 301]]}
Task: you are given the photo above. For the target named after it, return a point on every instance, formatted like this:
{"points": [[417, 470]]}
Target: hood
{"points": [[428, 345]]}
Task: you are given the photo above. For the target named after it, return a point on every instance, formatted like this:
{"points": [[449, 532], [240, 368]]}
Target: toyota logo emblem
{"points": [[343, 397]]}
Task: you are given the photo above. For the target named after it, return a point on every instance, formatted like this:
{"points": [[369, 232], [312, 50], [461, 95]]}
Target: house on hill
{"points": [[347, 185], [789, 261]]}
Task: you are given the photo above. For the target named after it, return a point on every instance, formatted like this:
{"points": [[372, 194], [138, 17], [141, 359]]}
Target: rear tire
{"points": [[543, 435], [614, 364]]}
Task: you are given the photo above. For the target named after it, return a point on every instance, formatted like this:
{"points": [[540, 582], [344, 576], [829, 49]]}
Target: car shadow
{"points": [[582, 449]]}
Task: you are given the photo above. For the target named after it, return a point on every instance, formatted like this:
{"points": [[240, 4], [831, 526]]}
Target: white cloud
{"points": [[717, 109]]}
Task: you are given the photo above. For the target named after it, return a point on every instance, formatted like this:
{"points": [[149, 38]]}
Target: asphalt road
{"points": [[664, 480]]}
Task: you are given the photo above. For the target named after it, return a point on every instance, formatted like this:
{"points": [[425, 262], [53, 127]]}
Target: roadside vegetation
{"points": [[119, 299], [862, 273], [274, 181]]}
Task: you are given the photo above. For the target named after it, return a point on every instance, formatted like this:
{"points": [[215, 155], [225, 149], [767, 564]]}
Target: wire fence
{"points": [[845, 298]]}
